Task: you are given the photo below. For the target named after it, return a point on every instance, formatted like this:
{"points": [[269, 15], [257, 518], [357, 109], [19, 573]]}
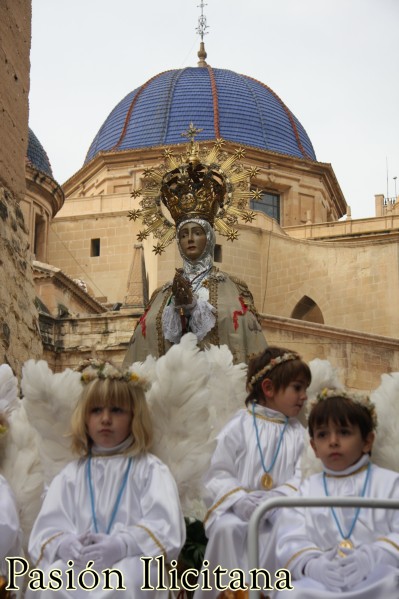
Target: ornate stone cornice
{"points": [[266, 160], [60, 279], [44, 187]]}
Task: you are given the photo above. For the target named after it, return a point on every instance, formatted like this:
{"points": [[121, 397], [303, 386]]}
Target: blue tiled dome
{"points": [[37, 156], [223, 103]]}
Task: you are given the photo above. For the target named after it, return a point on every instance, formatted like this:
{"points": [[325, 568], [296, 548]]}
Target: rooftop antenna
{"points": [[386, 159], [202, 30]]}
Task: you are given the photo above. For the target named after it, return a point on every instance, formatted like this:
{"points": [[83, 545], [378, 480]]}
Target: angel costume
{"points": [[10, 534], [222, 313], [236, 469], [303, 533], [148, 518]]}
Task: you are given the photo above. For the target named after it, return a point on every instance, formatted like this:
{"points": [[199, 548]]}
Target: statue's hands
{"points": [[181, 289]]}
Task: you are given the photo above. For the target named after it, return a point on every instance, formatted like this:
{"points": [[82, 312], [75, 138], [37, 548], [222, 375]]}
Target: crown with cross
{"points": [[200, 183]]}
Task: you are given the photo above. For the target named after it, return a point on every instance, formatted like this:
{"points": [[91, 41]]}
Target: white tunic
{"points": [[303, 532], [235, 469], [149, 515], [10, 533]]}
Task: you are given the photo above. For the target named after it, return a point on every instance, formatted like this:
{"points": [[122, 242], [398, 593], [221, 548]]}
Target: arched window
{"points": [[307, 309]]}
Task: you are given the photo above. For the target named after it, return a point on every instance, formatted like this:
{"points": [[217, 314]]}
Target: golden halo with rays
{"points": [[199, 183]]}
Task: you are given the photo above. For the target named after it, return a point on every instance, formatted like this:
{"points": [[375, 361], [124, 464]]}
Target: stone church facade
{"points": [[325, 287]]}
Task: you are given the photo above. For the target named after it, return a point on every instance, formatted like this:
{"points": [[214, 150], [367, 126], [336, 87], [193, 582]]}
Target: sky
{"points": [[334, 63]]}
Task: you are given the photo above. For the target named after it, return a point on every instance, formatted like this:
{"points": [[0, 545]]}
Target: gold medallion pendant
{"points": [[345, 544], [266, 481]]}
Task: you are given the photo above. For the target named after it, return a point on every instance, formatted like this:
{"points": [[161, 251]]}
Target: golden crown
{"points": [[200, 183], [193, 190]]}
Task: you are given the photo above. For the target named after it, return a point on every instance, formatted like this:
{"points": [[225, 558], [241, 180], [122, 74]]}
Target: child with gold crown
{"points": [[348, 552], [116, 502], [257, 457]]}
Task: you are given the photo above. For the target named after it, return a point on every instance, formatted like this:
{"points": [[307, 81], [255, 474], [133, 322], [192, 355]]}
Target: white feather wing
{"points": [[8, 389], [179, 405], [226, 384], [22, 468], [386, 400], [49, 400], [324, 374], [192, 395]]}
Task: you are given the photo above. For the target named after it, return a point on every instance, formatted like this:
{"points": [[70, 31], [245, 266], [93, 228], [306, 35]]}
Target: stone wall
{"points": [[19, 331], [355, 286], [15, 32], [106, 274], [67, 341], [359, 358], [379, 227], [99, 198]]}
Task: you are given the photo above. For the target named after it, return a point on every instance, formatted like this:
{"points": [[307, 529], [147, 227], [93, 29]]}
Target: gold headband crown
{"points": [[358, 398], [92, 369], [286, 357], [198, 184]]}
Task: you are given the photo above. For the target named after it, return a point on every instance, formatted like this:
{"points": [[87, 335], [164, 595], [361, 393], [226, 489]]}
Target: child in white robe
{"points": [[257, 456], [348, 552], [115, 504], [10, 532]]}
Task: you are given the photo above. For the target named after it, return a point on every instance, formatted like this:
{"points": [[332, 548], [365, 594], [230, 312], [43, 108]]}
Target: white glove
{"points": [[244, 507], [326, 570], [262, 496], [71, 547], [359, 563], [104, 550]]}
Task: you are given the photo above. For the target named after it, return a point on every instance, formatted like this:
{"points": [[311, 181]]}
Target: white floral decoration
{"points": [[272, 364], [92, 369], [359, 398]]}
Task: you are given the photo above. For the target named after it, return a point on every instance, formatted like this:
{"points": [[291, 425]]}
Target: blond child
{"points": [[117, 502], [348, 552], [256, 457]]}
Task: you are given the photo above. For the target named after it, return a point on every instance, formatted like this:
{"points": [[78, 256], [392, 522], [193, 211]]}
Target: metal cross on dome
{"points": [[202, 26]]}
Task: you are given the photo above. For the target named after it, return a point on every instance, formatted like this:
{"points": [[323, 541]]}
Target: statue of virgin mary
{"points": [[217, 307]]}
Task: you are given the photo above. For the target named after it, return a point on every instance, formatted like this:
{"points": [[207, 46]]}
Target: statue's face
{"points": [[192, 239]]}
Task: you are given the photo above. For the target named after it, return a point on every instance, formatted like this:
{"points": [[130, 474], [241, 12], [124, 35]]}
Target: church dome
{"points": [[222, 103], [36, 155]]}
